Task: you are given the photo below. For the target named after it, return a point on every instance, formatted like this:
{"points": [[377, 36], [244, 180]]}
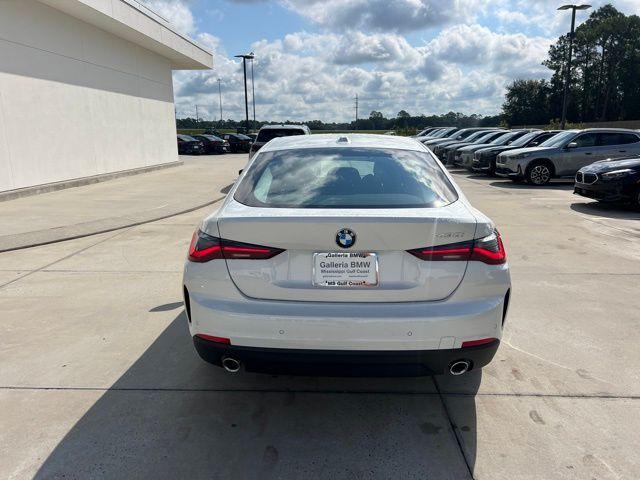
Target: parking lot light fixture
{"points": [[245, 57], [567, 78]]}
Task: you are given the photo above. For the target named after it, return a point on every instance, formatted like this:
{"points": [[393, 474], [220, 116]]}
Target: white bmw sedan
{"points": [[346, 255]]}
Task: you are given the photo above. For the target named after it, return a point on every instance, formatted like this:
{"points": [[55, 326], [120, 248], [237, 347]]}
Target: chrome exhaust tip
{"points": [[231, 365], [459, 367]]}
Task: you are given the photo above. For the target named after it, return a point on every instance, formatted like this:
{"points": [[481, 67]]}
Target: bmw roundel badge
{"points": [[346, 238]]}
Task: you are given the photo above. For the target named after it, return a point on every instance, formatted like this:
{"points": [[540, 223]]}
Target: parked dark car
{"points": [[269, 132], [448, 152], [610, 181], [425, 131], [213, 144], [189, 146], [464, 155], [238, 142], [252, 136], [485, 160], [456, 136]]}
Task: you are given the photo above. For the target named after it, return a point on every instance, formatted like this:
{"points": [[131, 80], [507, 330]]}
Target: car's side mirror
{"points": [[572, 145], [240, 171], [534, 144]]}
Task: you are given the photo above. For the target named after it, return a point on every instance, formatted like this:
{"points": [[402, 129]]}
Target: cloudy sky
{"points": [[314, 56]]}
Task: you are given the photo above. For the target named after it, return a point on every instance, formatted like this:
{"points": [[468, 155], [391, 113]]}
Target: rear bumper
{"points": [[345, 362], [476, 310]]}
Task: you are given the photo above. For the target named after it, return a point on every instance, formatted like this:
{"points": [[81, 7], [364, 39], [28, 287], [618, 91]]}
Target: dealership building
{"points": [[86, 90]]}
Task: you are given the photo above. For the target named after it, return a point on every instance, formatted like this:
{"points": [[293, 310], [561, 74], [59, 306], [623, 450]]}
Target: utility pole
{"points": [[356, 126], [220, 97], [567, 78], [245, 57], [197, 118]]}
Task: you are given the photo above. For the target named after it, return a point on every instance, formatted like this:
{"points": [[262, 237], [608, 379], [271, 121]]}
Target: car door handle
{"points": [[587, 153], [622, 151]]}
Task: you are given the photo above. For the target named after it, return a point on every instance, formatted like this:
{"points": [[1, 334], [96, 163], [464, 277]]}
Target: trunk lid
{"points": [[388, 233]]}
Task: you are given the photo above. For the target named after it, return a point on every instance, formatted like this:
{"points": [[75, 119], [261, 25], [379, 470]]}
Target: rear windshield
{"points": [[267, 134], [345, 178]]}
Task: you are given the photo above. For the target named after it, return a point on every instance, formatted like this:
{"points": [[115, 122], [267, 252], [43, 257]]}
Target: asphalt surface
{"points": [[99, 379]]}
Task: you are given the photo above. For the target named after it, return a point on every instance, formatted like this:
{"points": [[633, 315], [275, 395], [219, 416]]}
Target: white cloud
{"points": [[177, 12], [316, 75], [383, 15]]}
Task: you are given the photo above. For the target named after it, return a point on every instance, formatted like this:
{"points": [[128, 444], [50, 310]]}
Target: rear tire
{"points": [[539, 173]]}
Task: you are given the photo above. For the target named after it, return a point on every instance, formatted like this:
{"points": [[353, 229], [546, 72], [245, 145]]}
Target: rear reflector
{"points": [[211, 338], [205, 247], [488, 250], [475, 343]]}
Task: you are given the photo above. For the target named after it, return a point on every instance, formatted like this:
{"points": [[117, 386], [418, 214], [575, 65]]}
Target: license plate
{"points": [[345, 270]]}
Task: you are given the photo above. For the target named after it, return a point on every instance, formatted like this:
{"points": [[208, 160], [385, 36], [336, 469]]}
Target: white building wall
{"points": [[76, 101]]}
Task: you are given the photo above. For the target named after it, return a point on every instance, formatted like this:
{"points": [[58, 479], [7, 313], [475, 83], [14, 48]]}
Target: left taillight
{"points": [[205, 247], [489, 250]]}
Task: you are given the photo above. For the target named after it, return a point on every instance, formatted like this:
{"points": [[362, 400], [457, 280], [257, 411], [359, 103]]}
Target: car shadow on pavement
{"points": [[171, 415], [609, 210], [227, 189], [167, 306], [511, 185]]}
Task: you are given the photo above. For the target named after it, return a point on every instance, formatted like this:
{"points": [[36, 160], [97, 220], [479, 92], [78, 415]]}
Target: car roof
{"points": [[347, 140], [299, 127], [621, 130]]}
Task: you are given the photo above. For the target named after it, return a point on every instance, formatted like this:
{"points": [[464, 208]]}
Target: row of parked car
{"points": [[605, 162], [214, 142]]}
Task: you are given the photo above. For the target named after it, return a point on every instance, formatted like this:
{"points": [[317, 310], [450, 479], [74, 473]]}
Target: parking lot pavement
{"points": [[126, 201], [99, 379]]}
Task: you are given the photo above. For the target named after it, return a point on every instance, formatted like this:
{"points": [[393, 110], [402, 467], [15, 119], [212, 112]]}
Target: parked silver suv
{"points": [[566, 153]]}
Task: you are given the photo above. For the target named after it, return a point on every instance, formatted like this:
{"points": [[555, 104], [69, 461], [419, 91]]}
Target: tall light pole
{"points": [[567, 78], [220, 100], [245, 57], [253, 96]]}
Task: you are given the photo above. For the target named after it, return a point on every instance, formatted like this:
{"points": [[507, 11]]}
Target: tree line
{"points": [[605, 75], [376, 121]]}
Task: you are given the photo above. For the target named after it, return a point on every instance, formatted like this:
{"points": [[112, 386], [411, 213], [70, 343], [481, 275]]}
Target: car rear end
{"points": [[418, 291]]}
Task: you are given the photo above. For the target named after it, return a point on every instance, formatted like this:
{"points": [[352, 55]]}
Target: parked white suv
{"points": [[346, 255], [269, 132]]}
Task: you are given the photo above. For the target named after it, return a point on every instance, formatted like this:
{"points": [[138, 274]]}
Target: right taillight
{"points": [[205, 247], [488, 250]]}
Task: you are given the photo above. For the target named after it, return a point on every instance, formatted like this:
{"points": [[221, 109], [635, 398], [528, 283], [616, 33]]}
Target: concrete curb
{"points": [[79, 182], [38, 238]]}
